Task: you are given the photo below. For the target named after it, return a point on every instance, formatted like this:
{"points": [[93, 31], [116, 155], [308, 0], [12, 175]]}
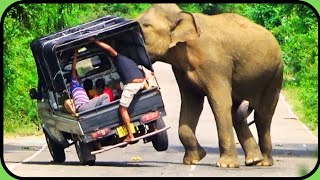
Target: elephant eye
{"points": [[145, 25]]}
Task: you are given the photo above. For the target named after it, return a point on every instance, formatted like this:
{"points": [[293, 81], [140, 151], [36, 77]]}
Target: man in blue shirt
{"points": [[133, 79]]}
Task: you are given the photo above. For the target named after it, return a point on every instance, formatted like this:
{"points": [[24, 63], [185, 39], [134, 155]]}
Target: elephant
{"points": [[230, 60]]}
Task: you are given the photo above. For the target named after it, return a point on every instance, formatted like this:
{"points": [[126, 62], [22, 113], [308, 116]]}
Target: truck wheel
{"points": [[56, 150], [160, 141], [84, 153]]}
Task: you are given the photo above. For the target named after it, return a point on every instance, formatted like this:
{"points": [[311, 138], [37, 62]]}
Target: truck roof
{"points": [[53, 51]]}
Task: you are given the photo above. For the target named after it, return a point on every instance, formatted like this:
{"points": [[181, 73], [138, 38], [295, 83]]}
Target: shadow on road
{"points": [[297, 150], [303, 150], [97, 163], [8, 148], [148, 164], [283, 150]]}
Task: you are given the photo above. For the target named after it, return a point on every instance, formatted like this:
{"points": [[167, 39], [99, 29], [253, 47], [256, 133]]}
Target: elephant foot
{"points": [[267, 161], [193, 157], [228, 162], [253, 159]]}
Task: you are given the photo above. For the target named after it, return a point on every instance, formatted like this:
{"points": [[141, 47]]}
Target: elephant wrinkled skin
{"points": [[228, 59]]}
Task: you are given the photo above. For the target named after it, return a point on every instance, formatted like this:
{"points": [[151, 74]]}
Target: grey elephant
{"points": [[228, 59]]}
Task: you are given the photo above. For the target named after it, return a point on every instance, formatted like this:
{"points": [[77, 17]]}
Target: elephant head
{"points": [[165, 25]]}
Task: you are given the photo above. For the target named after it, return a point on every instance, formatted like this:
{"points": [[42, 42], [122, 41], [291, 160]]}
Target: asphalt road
{"points": [[294, 149]]}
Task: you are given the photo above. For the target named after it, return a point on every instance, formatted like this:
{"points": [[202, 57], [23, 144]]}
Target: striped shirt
{"points": [[79, 95]]}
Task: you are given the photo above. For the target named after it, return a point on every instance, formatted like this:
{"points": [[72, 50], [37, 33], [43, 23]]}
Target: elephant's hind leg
{"points": [[263, 116], [240, 112], [263, 122]]}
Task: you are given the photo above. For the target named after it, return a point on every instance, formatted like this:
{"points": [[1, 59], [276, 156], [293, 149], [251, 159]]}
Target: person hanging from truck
{"points": [[80, 98], [133, 79]]}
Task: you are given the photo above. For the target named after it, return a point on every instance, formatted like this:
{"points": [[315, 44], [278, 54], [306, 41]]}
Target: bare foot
{"points": [[128, 139]]}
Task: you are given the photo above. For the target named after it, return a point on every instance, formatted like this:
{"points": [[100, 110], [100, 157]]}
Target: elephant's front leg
{"points": [[191, 108], [219, 98]]}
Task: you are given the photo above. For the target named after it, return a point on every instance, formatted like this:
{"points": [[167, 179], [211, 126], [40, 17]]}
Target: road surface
{"points": [[294, 149]]}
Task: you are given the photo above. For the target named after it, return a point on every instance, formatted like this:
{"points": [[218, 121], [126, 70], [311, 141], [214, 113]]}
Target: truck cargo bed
{"points": [[108, 115]]}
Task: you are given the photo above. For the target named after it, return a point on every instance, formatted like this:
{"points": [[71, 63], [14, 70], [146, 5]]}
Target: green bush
{"points": [[296, 28]]}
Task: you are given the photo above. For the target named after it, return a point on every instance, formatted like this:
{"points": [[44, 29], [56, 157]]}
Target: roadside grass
{"points": [[18, 130], [292, 98]]}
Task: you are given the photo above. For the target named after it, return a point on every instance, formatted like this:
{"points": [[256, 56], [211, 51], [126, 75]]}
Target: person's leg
{"points": [[69, 106], [126, 98], [106, 99], [103, 99], [97, 101], [126, 121]]}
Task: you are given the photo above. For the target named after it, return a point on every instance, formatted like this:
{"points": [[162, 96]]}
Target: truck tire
{"points": [[160, 141], [84, 153], [56, 150]]}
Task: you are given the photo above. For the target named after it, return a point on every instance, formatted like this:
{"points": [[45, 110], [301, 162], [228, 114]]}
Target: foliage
{"points": [[294, 25], [296, 28]]}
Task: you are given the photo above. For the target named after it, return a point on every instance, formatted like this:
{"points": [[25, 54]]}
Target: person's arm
{"points": [[74, 64], [106, 47]]}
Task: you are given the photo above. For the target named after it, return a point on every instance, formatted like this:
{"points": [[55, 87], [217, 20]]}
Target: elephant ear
{"points": [[184, 29]]}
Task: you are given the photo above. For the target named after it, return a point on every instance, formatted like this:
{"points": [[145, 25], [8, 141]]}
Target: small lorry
{"points": [[101, 125]]}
